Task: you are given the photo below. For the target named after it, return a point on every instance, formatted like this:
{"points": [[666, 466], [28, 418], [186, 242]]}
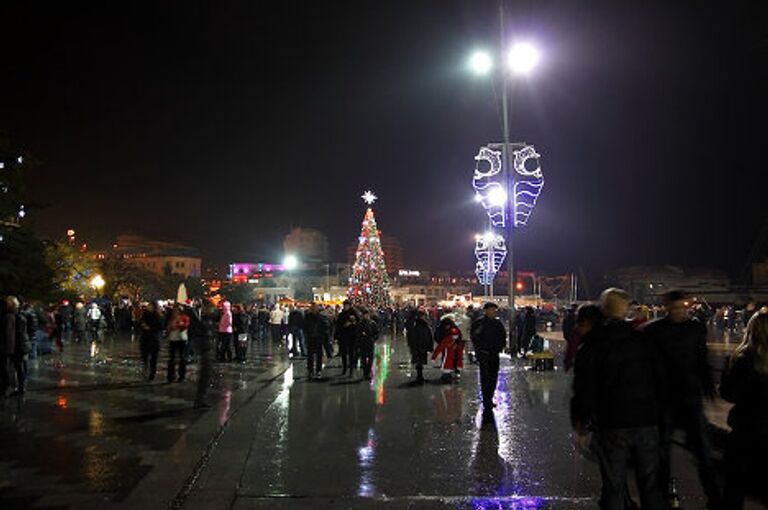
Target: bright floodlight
{"points": [[480, 63], [489, 236], [497, 196], [97, 282], [291, 262], [522, 58]]}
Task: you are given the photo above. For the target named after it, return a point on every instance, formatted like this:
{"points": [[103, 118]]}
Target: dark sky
{"points": [[226, 123]]}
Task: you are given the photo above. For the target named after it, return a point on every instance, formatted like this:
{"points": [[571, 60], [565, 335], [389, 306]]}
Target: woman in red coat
{"points": [[452, 348]]}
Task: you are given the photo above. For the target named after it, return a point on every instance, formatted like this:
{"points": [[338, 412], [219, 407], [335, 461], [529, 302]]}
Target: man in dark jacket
{"points": [[618, 390], [420, 342], [367, 334], [151, 329], [203, 323], [489, 338], [296, 329], [682, 344], [317, 329], [346, 332], [7, 342]]}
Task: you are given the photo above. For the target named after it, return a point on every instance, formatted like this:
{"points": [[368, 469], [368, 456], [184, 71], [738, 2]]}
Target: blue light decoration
{"points": [[491, 193], [490, 251], [488, 192], [528, 184]]}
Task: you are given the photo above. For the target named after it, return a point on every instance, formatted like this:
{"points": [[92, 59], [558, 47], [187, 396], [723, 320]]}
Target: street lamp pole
{"points": [[508, 180]]}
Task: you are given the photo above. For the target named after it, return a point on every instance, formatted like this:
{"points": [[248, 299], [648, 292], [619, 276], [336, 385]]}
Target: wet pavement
{"points": [[90, 434]]}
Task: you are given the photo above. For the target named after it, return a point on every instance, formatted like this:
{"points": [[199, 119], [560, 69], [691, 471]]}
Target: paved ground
{"points": [[89, 434]]}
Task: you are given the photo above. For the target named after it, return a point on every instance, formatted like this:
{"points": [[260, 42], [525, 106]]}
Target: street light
{"points": [[497, 196], [522, 58], [97, 282], [290, 262], [481, 63]]}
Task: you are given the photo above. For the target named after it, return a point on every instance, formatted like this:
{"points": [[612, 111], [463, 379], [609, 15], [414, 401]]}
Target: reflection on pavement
{"points": [[381, 370], [366, 455]]}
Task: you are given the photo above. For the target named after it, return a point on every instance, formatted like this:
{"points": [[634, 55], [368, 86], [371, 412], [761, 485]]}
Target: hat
{"points": [[490, 305]]}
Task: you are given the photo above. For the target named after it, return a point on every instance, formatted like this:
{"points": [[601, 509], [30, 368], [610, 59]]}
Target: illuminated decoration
{"points": [[490, 251], [528, 184], [21, 212], [369, 282], [368, 197], [488, 192]]}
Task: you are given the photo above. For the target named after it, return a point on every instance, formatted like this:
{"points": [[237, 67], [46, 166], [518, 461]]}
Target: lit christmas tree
{"points": [[369, 283]]}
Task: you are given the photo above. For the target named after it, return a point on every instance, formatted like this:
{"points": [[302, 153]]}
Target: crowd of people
{"points": [[640, 373], [637, 381]]}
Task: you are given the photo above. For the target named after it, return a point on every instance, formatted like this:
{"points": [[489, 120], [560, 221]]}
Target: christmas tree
{"points": [[369, 283]]}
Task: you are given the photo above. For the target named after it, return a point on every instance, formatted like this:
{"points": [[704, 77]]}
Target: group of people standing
{"points": [[636, 384]]}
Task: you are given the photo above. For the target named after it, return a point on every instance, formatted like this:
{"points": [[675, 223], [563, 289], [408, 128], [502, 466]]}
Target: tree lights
{"points": [[369, 282]]}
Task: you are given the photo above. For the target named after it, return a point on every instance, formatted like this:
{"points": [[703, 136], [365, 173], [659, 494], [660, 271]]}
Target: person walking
{"points": [[346, 332], [618, 393], [420, 342], [451, 347], [79, 322], [151, 326], [203, 325], [240, 327], [528, 330], [94, 321], [317, 328], [178, 324], [367, 334], [489, 338], [296, 330], [570, 336], [276, 324], [682, 344], [15, 347], [224, 346], [745, 384]]}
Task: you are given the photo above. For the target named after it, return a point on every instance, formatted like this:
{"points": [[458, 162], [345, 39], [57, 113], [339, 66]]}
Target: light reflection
{"points": [[62, 401], [513, 503], [94, 349], [366, 456], [381, 371], [95, 423], [225, 405]]}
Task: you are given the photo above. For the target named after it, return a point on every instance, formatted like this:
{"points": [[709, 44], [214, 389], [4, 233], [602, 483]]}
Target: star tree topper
{"points": [[368, 197]]}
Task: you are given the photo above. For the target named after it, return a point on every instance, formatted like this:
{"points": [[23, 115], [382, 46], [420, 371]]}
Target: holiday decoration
{"points": [[369, 283], [488, 192], [528, 184], [490, 251]]}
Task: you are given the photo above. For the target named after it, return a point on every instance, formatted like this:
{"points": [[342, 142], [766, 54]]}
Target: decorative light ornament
{"points": [[368, 197], [528, 184], [490, 251], [488, 192], [21, 212]]}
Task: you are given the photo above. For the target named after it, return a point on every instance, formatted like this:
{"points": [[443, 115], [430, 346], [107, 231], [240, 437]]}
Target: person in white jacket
{"points": [[276, 324]]}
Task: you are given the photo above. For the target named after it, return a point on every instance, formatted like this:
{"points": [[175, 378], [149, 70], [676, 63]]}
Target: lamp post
{"points": [[97, 282], [521, 59]]}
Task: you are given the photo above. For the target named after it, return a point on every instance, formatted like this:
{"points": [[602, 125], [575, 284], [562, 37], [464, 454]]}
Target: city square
{"points": [[460, 254]]}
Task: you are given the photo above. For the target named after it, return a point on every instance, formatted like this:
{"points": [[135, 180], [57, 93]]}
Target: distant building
{"points": [[159, 257], [393, 253], [307, 244], [649, 283]]}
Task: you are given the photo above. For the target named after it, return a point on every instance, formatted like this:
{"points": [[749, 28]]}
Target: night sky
{"points": [[224, 124]]}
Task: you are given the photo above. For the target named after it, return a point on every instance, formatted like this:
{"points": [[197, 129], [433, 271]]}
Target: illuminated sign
{"points": [[408, 272]]}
